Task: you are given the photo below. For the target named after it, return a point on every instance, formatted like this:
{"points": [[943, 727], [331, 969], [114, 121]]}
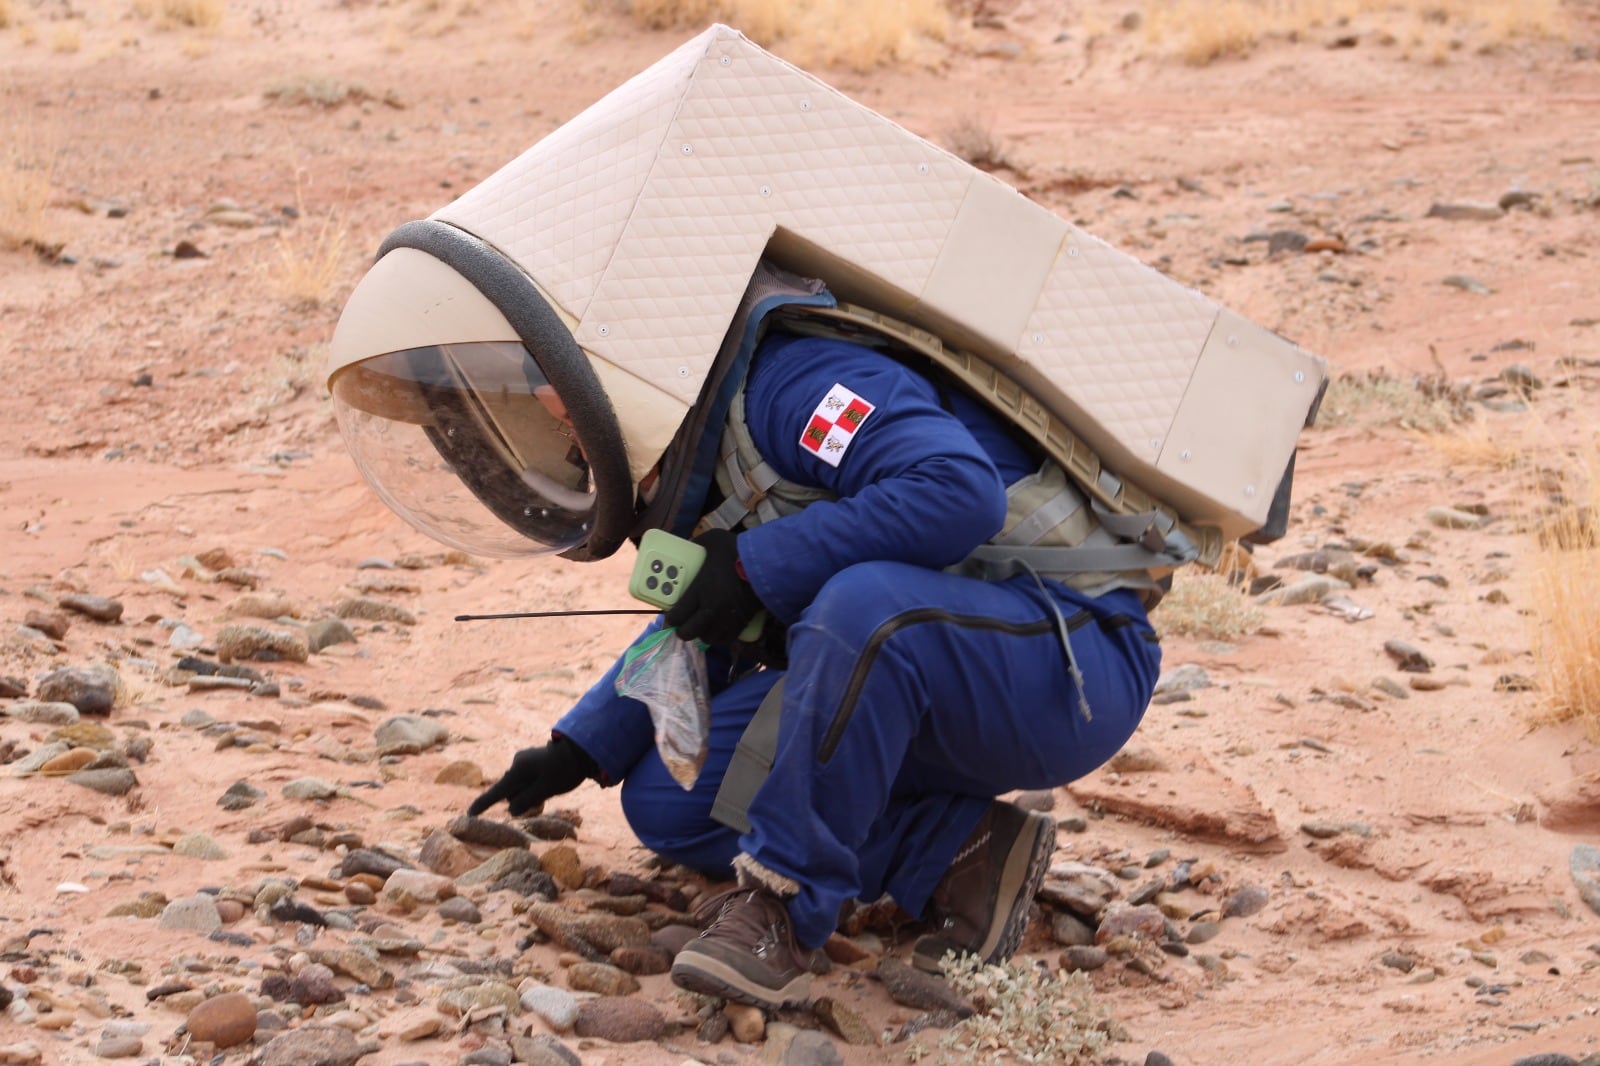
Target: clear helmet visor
{"points": [[470, 444]]}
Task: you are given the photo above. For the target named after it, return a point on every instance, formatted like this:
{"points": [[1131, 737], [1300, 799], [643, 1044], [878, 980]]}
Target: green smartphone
{"points": [[665, 566]]}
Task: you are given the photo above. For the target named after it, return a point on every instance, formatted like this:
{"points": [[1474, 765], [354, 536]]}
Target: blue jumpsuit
{"points": [[913, 696]]}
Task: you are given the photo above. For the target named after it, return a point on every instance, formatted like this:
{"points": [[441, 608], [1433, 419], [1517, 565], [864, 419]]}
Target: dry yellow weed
{"points": [[811, 32], [1565, 557], [27, 164], [309, 255]]}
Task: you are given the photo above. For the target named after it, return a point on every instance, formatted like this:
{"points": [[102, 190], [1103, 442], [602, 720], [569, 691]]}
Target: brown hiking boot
{"points": [[748, 953], [980, 906]]}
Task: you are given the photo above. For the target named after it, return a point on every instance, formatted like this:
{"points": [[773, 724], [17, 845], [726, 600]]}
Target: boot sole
{"points": [[1026, 864], [711, 977], [1024, 872]]}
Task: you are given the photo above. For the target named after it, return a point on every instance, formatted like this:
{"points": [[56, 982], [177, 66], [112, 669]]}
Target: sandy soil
{"points": [[1452, 828]]}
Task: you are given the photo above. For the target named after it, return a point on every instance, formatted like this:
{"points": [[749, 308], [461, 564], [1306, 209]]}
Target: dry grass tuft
{"points": [[1207, 605], [1474, 447], [67, 38], [27, 167], [1565, 566], [1202, 32], [5, 14], [1428, 403], [309, 255], [195, 14], [309, 91], [844, 33], [974, 140]]}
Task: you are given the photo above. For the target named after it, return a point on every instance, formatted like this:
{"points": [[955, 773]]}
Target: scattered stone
{"points": [[198, 846], [12, 688], [26, 1053], [1069, 930], [807, 1048], [1245, 902], [1466, 211], [109, 781], [1467, 283], [313, 1046], [1313, 589], [197, 912], [91, 689], [119, 1040], [444, 854], [543, 1049], [68, 762], [100, 608], [460, 909], [223, 1020], [52, 624], [260, 644], [326, 632], [371, 610], [642, 962], [1396, 960], [266, 605], [1585, 866], [420, 885], [1453, 518], [563, 863], [487, 832], [500, 865], [846, 1023], [601, 978], [1407, 657], [312, 788], [239, 796], [747, 1024], [409, 734], [558, 1007], [910, 987], [463, 772], [619, 1020], [314, 985], [604, 932], [549, 827]]}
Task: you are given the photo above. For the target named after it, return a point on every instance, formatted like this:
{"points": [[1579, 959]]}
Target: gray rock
{"points": [[1585, 866], [196, 719], [184, 639], [489, 1055], [460, 909], [371, 861], [409, 734], [557, 1006], [100, 608], [327, 632], [499, 865], [312, 788], [1245, 902], [12, 688], [43, 713], [811, 1048], [1468, 283], [197, 913], [198, 846], [1083, 958], [1451, 518], [1408, 657], [31, 762], [910, 987], [1466, 211], [109, 781], [487, 831], [91, 689], [1185, 678], [543, 1049], [314, 985], [313, 1046], [240, 794]]}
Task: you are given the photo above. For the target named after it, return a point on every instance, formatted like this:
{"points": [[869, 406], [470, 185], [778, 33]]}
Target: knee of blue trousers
{"points": [[676, 823]]}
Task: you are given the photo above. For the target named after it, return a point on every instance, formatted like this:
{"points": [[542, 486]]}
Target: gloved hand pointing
{"points": [[719, 602], [536, 774]]}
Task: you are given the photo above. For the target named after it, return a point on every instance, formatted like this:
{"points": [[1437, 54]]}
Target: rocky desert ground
{"points": [[241, 727]]}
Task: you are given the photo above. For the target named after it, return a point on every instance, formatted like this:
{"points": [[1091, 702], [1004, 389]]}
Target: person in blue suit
{"points": [[909, 688]]}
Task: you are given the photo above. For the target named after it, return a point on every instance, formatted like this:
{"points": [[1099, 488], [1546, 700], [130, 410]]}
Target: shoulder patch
{"points": [[834, 423]]}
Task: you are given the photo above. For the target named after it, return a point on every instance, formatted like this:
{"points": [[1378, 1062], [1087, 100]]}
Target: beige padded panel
{"points": [[643, 218]]}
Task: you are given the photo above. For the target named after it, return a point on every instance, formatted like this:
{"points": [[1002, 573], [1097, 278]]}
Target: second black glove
{"points": [[718, 603], [536, 774]]}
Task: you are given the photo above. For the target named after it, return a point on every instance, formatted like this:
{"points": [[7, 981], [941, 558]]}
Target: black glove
{"points": [[536, 774], [718, 603]]}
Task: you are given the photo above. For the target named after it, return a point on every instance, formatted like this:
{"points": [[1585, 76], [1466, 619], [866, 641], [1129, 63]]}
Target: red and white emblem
{"points": [[834, 423]]}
